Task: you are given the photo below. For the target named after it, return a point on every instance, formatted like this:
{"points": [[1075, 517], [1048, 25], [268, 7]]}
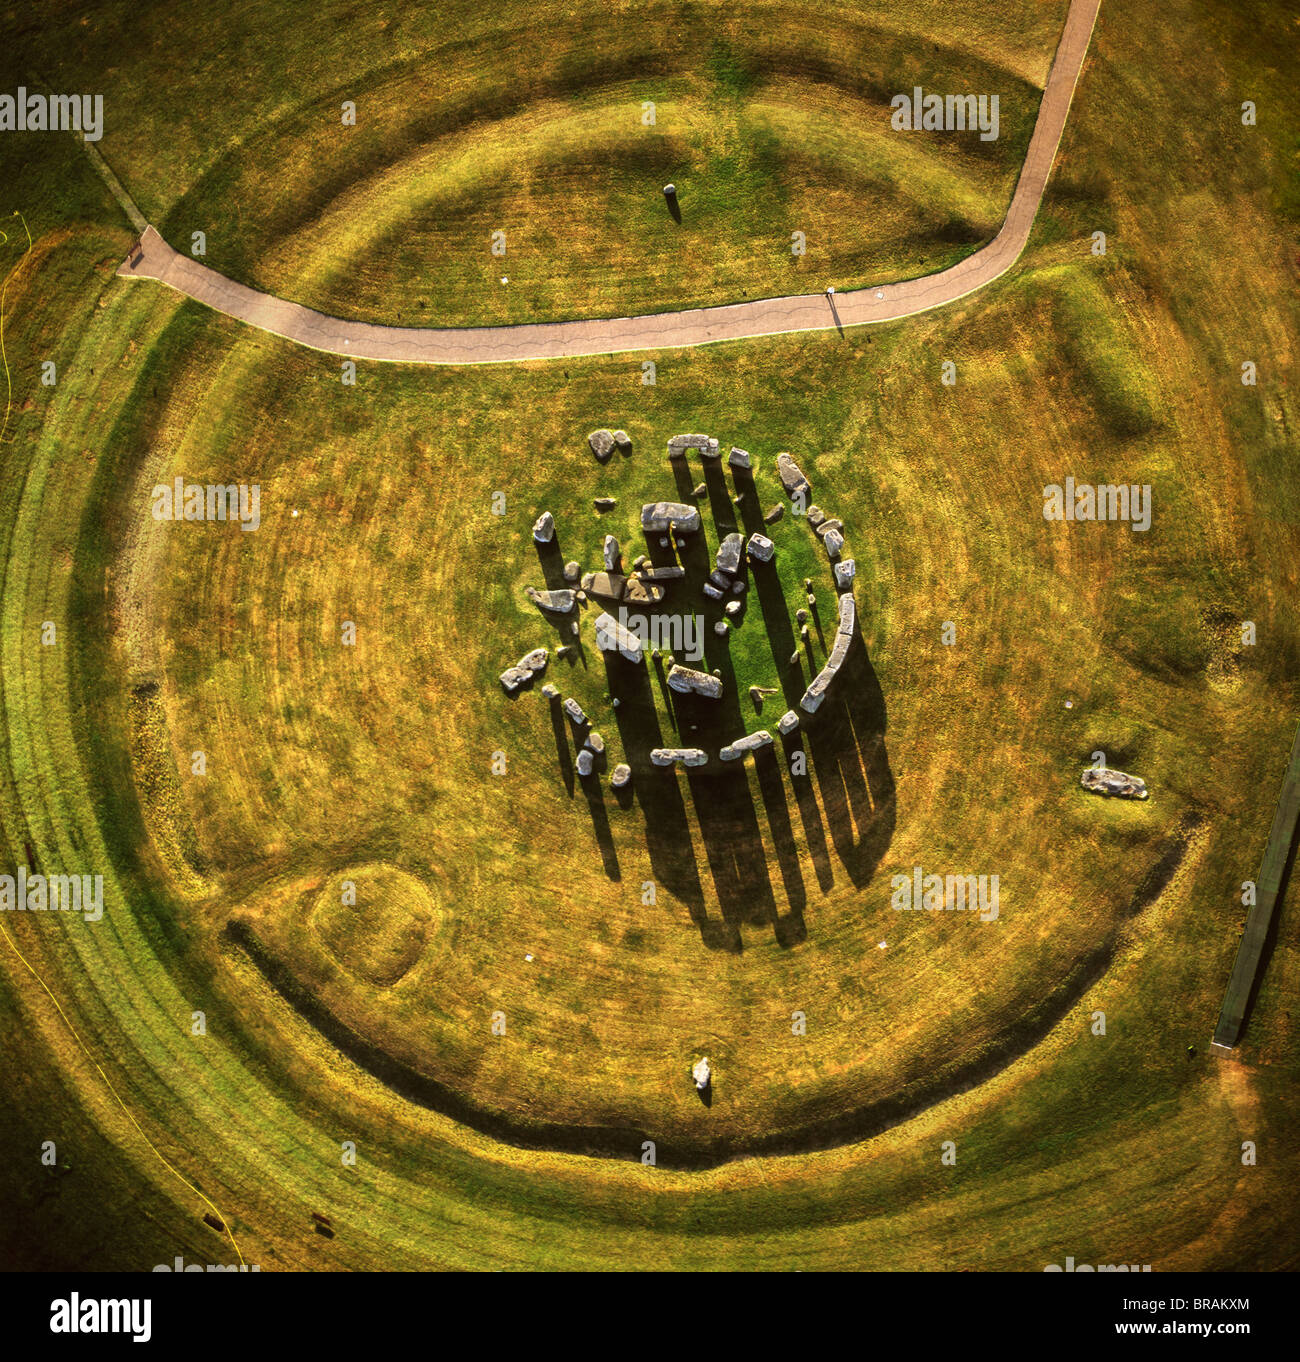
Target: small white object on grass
{"points": [[295, 515], [505, 278], [1069, 704], [882, 945], [529, 958]]}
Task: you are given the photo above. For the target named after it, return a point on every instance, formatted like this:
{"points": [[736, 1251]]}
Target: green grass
{"points": [[1123, 367]]}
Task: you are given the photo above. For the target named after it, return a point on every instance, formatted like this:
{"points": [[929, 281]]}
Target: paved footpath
{"points": [[153, 258]]}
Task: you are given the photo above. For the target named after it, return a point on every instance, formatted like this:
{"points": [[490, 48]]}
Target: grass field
{"points": [[372, 763]]}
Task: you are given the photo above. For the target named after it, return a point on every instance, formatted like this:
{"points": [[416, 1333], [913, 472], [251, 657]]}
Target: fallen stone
{"points": [[700, 490], [739, 587], [571, 571], [623, 442], [845, 573], [659, 515], [534, 661], [739, 458], [638, 560], [515, 677], [733, 608], [827, 526], [1114, 783], [662, 574], [774, 513], [637, 592], [612, 637], [753, 743], [721, 628], [677, 756], [686, 680], [574, 710], [761, 548], [729, 553], [620, 776], [587, 579], [712, 592], [603, 504], [792, 478], [586, 763], [555, 602], [816, 516], [581, 597], [832, 542], [602, 444], [544, 528], [787, 723], [609, 584], [720, 579], [611, 551]]}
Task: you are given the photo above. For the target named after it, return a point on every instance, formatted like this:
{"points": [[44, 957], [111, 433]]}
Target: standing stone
{"points": [[657, 516], [845, 573], [571, 571], [732, 608], [623, 442], [774, 513], [620, 777], [792, 478], [729, 553], [550, 691], [761, 548], [586, 762], [613, 637], [611, 553], [832, 542], [574, 710], [739, 458], [595, 742], [787, 723], [544, 528], [700, 490], [602, 444], [702, 1075]]}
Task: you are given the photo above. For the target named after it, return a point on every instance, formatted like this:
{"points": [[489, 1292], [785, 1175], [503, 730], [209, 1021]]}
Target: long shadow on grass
{"points": [[694, 1152]]}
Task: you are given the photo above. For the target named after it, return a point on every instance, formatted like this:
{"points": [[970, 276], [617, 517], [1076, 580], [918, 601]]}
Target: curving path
{"points": [[153, 258]]}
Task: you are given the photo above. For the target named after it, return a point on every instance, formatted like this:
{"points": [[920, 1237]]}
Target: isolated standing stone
{"points": [[602, 444], [550, 691], [544, 528], [702, 1074]]}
